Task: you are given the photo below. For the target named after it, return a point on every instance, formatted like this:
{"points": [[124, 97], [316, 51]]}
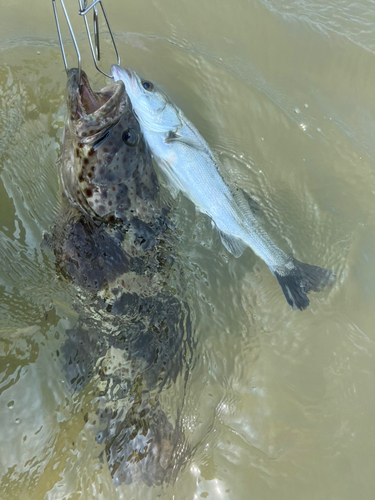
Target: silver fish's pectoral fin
{"points": [[171, 136], [234, 245], [188, 141]]}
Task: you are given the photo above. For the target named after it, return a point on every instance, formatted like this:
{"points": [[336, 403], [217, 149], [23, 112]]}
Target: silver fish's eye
{"points": [[147, 85], [130, 137]]}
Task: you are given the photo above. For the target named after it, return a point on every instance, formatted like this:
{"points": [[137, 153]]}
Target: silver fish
{"points": [[190, 166]]}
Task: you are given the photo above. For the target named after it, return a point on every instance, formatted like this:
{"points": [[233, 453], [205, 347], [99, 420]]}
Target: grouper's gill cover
{"points": [[106, 170]]}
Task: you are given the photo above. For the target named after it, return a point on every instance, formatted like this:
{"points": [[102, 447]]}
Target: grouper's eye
{"points": [[130, 137], [147, 85]]}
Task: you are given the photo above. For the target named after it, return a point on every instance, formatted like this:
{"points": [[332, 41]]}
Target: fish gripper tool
{"points": [[93, 35]]}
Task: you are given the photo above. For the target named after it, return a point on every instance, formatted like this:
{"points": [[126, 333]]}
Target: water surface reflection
{"points": [[279, 403]]}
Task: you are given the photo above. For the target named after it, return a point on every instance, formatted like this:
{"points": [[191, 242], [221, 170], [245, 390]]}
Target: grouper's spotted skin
{"points": [[113, 239], [107, 170]]}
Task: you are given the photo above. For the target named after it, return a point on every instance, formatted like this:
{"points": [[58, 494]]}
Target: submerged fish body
{"points": [[112, 238], [190, 166]]}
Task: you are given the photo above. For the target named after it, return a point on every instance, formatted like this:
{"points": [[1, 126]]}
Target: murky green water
{"points": [[279, 404]]}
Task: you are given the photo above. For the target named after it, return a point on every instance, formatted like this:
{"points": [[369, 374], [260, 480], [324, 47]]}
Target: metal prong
{"points": [[71, 34], [96, 32], [95, 48]]}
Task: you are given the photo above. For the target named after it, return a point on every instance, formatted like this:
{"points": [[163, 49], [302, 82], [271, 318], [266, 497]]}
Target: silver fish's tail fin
{"points": [[297, 282]]}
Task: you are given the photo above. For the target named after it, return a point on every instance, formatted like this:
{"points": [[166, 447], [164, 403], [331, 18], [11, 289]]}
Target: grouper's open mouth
{"points": [[88, 100], [93, 111]]}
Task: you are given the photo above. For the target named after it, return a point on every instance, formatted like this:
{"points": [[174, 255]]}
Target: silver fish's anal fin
{"points": [[173, 137], [297, 282], [233, 245]]}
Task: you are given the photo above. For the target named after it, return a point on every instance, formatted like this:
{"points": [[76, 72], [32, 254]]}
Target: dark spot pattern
{"points": [[119, 205]]}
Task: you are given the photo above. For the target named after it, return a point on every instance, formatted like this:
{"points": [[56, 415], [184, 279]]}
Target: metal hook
{"points": [[95, 48], [84, 9], [71, 34]]}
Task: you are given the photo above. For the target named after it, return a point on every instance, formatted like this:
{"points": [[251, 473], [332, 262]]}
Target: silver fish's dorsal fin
{"points": [[254, 205], [248, 204], [232, 244], [255, 217], [249, 208]]}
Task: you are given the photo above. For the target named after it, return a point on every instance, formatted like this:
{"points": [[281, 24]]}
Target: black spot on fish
{"points": [[77, 152], [86, 161], [88, 192], [89, 175], [91, 152], [80, 178]]}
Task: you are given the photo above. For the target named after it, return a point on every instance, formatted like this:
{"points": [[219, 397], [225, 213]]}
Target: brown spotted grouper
{"points": [[113, 239]]}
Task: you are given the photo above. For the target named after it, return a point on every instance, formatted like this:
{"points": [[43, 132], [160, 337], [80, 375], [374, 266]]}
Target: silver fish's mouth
{"points": [[128, 76], [117, 70]]}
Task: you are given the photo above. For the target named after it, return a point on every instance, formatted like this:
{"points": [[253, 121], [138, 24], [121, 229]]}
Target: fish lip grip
{"points": [[94, 39]]}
